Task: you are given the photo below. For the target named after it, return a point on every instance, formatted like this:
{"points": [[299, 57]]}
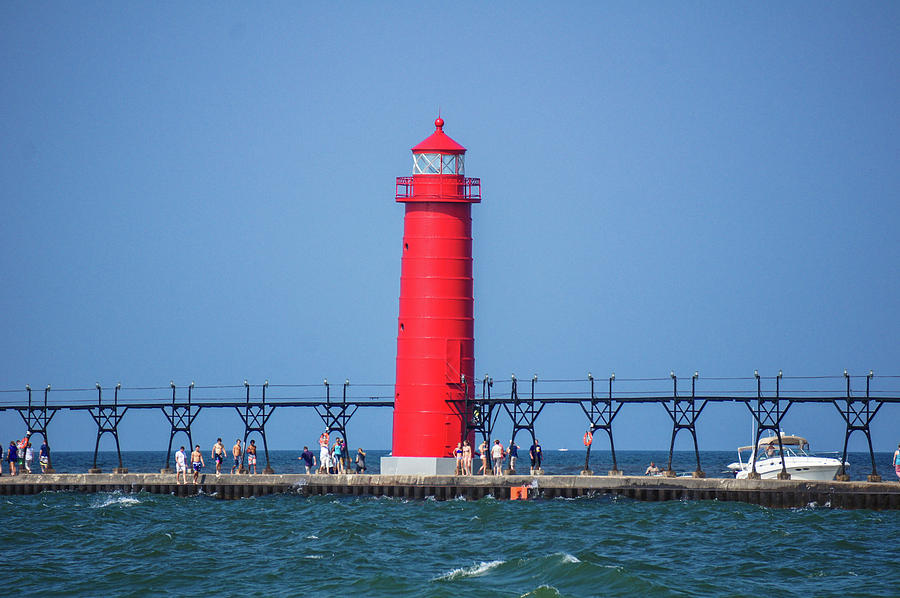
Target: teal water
{"points": [[136, 545]]}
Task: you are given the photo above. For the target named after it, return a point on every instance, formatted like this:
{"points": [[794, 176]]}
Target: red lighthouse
{"points": [[436, 327]]}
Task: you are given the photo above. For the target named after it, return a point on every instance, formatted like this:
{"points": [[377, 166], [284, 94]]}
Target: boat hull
{"points": [[809, 468]]}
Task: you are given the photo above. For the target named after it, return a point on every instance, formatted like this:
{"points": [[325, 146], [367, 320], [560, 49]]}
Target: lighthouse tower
{"points": [[436, 327]]}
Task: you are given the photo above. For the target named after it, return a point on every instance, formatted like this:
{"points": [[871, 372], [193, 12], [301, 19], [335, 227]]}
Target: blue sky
{"points": [[205, 193]]}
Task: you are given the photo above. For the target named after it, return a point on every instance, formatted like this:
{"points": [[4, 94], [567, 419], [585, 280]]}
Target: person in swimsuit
{"points": [[458, 453], [218, 455], [308, 458], [236, 452], [180, 466], [467, 458], [251, 456], [197, 462], [360, 460], [483, 453]]}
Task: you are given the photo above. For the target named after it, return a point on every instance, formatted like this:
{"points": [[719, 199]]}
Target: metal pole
{"points": [[49, 452], [116, 411], [784, 472], [674, 425], [99, 425], [587, 454]]}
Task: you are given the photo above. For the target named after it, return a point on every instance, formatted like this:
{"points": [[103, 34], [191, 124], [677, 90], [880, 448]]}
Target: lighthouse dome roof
{"points": [[439, 141]]}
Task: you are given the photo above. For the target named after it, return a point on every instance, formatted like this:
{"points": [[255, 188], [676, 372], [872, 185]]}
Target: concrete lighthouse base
{"points": [[418, 466]]}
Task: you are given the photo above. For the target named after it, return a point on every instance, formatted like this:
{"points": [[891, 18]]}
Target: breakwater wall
{"points": [[768, 493]]}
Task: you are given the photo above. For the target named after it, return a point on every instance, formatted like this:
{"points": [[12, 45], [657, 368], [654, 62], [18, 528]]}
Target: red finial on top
{"points": [[439, 123]]}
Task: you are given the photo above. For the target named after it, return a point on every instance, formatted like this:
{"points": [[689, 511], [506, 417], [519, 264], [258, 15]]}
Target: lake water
{"points": [[113, 544]]}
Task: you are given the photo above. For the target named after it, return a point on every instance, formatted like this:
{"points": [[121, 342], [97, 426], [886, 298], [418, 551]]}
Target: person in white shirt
{"points": [[180, 466], [497, 455]]}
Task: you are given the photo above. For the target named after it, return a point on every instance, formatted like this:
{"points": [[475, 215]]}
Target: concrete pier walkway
{"points": [[769, 493]]}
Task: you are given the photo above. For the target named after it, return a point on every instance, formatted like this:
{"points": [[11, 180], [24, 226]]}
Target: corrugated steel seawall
{"points": [[769, 493]]}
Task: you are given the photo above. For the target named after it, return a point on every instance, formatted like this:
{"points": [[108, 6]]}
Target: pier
{"points": [[768, 399], [767, 493]]}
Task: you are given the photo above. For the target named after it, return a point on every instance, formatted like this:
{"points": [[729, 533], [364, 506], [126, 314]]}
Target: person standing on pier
{"points": [[537, 456], [360, 460], [29, 456], [497, 455], [897, 461], [197, 462], [12, 455], [218, 455], [44, 456], [467, 458], [21, 447], [458, 453], [324, 456], [181, 466], [483, 453], [309, 459], [513, 454], [251, 456], [236, 452], [338, 453]]}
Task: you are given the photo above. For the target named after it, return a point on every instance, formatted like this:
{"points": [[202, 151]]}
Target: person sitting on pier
{"points": [[251, 456], [652, 469], [236, 452], [197, 462]]}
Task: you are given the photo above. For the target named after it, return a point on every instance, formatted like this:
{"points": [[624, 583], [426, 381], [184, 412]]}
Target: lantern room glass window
{"points": [[439, 164]]}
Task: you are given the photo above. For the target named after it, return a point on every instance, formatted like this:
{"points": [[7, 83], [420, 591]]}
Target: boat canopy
{"points": [[786, 440]]}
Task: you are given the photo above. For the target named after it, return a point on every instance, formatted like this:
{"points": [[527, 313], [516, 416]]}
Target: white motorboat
{"points": [[797, 461]]}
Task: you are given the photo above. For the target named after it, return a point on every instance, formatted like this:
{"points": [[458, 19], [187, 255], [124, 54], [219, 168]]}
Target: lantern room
{"points": [[439, 172]]}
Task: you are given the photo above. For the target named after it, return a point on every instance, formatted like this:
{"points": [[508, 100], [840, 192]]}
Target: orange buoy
{"points": [[518, 493], [588, 438]]}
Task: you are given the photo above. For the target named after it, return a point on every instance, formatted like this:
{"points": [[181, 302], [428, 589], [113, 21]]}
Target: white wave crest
{"points": [[124, 501], [569, 558], [473, 571]]}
